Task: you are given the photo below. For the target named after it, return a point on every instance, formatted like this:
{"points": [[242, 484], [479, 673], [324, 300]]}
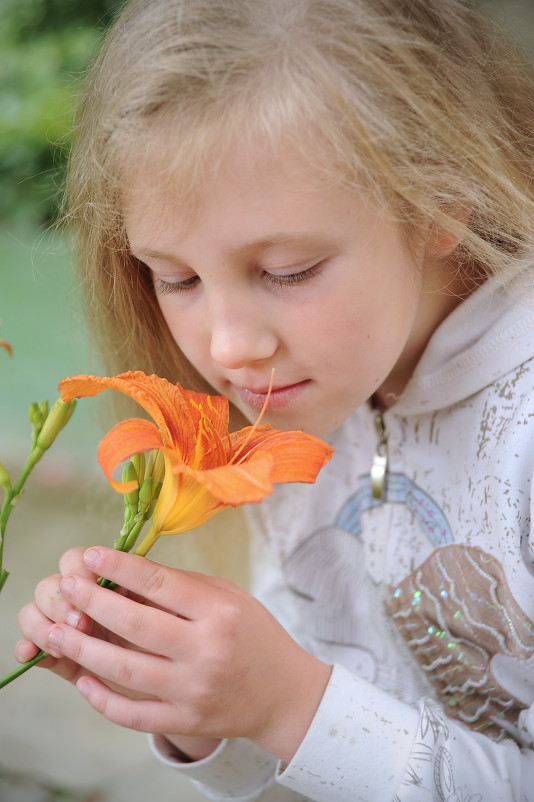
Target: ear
{"points": [[442, 241]]}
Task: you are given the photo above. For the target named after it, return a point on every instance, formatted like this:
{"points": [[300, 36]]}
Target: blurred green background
{"points": [[52, 746], [45, 46]]}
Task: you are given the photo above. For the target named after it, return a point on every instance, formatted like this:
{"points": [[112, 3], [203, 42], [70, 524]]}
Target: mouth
{"points": [[278, 398]]}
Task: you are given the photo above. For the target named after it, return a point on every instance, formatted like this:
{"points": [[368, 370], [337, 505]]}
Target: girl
{"points": [[342, 191]]}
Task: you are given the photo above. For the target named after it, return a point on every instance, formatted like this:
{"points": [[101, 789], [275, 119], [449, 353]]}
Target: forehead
{"points": [[181, 153], [160, 185], [250, 208]]}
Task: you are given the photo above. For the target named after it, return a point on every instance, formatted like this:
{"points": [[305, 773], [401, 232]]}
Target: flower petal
{"points": [[298, 457], [183, 504], [196, 505], [245, 483], [168, 404], [4, 344], [128, 437], [167, 498]]}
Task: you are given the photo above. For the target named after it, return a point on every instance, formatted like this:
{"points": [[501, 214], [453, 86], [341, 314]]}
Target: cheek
{"points": [[183, 326], [166, 310], [339, 320], [190, 335], [367, 325]]}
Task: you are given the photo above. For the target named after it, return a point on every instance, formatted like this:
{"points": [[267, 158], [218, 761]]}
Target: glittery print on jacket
{"points": [[457, 612]]}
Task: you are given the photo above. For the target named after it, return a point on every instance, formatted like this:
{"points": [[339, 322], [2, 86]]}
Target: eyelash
{"points": [[168, 287], [293, 278]]}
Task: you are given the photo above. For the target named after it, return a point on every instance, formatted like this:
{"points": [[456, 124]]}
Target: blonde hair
{"points": [[418, 102]]}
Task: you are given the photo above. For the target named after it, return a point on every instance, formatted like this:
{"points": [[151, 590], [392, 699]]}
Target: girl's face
{"points": [[275, 271]]}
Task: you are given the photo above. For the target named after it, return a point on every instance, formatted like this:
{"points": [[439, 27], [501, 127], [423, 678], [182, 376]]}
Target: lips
{"points": [[279, 397]]}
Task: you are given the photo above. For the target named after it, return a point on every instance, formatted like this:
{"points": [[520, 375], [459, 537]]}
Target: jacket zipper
{"points": [[379, 466]]}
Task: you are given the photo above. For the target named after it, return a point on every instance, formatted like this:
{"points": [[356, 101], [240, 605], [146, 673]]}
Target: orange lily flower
{"points": [[206, 467], [4, 344]]}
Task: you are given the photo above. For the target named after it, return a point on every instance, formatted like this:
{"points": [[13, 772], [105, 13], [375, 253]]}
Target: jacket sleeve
{"points": [[366, 745], [238, 771], [364, 741]]}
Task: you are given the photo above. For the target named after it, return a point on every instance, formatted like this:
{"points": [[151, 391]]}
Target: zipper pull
{"points": [[380, 460]]}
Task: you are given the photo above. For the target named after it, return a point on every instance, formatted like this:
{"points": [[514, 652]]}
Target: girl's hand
{"points": [[214, 662], [51, 606]]}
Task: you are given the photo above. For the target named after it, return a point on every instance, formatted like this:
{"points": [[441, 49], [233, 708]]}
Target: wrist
{"points": [[296, 710], [188, 749]]}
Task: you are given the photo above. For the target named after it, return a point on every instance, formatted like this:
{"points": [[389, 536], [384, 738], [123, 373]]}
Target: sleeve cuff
{"points": [[357, 746], [237, 770]]}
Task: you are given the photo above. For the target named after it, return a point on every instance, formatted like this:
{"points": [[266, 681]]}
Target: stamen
{"points": [[208, 430], [227, 433], [258, 419]]}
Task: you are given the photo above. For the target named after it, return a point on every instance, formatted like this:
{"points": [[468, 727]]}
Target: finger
{"points": [[144, 715], [182, 592], [72, 563], [55, 606], [35, 626], [136, 671], [25, 650], [147, 627]]}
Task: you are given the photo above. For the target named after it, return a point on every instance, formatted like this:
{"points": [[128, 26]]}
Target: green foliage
{"points": [[45, 46]]}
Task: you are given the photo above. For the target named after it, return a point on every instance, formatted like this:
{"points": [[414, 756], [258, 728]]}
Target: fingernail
{"points": [[19, 652], [67, 585], [91, 558], [55, 636], [84, 686], [73, 618]]}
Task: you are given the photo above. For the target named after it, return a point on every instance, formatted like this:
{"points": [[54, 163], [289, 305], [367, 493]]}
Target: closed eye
{"points": [[290, 279], [167, 287], [163, 287]]}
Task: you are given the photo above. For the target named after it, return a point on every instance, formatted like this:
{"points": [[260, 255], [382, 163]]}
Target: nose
{"points": [[240, 335]]}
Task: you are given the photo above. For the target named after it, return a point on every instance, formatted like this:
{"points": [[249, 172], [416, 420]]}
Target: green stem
{"points": [[125, 543], [11, 496], [3, 576], [34, 457], [134, 534], [17, 672]]}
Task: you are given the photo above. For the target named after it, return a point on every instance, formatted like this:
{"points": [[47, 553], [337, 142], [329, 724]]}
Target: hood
{"points": [[484, 338]]}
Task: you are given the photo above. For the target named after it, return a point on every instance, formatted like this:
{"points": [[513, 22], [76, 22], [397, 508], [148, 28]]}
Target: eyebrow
{"points": [[263, 244]]}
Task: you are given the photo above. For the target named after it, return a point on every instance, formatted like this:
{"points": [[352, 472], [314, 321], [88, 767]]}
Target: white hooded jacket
{"points": [[423, 600]]}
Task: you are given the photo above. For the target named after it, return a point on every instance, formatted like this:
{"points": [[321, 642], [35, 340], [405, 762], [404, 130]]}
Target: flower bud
{"points": [[57, 419], [129, 474], [35, 416], [156, 465], [138, 461], [155, 494], [5, 480], [146, 494]]}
